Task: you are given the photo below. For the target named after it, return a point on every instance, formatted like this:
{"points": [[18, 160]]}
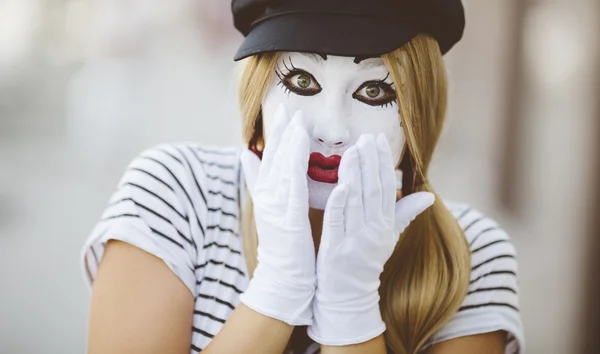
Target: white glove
{"points": [[284, 281], [361, 227]]}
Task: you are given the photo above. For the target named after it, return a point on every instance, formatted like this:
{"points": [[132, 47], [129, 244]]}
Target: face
{"points": [[342, 98]]}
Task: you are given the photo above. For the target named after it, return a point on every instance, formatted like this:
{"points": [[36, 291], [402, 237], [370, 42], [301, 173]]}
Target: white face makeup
{"points": [[341, 99]]}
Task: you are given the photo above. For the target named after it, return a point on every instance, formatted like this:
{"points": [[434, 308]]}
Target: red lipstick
{"points": [[323, 169]]}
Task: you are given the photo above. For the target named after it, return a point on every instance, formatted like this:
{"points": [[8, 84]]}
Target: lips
{"points": [[323, 169]]}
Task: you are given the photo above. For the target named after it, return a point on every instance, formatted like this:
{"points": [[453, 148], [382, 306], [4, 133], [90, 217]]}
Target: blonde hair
{"points": [[432, 253]]}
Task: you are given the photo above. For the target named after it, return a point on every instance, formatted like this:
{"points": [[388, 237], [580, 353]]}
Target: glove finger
{"points": [[281, 156], [250, 166], [387, 177], [281, 173], [333, 221], [299, 155], [409, 207], [349, 174], [333, 226], [274, 139], [399, 175], [371, 183]]}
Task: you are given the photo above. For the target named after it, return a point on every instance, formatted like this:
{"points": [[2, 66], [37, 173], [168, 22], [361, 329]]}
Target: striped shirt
{"points": [[182, 202]]}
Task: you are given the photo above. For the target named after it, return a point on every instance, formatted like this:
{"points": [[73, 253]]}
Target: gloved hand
{"points": [[284, 281], [361, 227]]}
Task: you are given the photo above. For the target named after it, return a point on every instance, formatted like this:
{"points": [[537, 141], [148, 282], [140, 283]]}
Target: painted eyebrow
{"points": [[315, 56], [364, 63], [357, 60], [367, 63]]}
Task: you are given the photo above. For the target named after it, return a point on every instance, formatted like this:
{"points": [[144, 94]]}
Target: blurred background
{"points": [[85, 85]]}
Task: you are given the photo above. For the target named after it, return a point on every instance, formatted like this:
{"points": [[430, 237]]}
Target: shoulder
{"points": [[189, 159], [494, 265], [166, 201], [189, 170], [483, 234], [492, 300]]}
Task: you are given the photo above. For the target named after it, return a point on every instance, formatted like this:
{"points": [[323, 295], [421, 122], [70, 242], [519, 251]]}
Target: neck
{"points": [[316, 224]]}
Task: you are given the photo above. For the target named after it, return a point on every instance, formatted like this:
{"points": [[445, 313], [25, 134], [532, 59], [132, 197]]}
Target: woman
{"points": [[309, 260]]}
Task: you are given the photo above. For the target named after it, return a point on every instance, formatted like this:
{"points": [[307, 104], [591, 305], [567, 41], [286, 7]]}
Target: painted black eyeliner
{"points": [[387, 88], [285, 80]]}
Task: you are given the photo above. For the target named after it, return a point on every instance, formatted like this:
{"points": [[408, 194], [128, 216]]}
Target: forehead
{"points": [[355, 63]]}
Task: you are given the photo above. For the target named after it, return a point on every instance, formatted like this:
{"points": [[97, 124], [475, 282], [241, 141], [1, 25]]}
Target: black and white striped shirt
{"points": [[181, 203]]}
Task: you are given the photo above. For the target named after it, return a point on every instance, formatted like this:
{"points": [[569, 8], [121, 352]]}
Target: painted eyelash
{"points": [[282, 76], [387, 104], [289, 71], [385, 78], [291, 64], [390, 87], [382, 82]]}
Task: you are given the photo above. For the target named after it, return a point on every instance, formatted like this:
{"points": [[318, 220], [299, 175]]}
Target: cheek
{"points": [[276, 96], [273, 99], [380, 121], [397, 142]]}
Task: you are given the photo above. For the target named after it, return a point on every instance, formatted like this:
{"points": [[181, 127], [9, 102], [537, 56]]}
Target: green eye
{"points": [[303, 81], [298, 81], [372, 91], [376, 93]]}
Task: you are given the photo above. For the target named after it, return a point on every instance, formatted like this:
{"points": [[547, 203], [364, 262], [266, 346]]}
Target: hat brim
{"points": [[326, 34]]}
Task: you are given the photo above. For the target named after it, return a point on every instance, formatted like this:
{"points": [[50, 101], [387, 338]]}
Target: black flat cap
{"points": [[344, 27]]}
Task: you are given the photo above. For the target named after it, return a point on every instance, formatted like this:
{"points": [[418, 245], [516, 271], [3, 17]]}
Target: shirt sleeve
{"points": [[153, 207], [492, 302]]}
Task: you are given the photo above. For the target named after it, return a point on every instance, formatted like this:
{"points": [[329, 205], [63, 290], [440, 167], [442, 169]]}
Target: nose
{"points": [[337, 143], [331, 125], [331, 134]]}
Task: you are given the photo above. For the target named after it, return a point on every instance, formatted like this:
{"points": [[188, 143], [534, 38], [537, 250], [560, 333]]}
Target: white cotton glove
{"points": [[284, 281], [361, 227]]}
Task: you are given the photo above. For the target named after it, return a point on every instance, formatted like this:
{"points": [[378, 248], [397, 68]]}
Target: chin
{"points": [[318, 193]]}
